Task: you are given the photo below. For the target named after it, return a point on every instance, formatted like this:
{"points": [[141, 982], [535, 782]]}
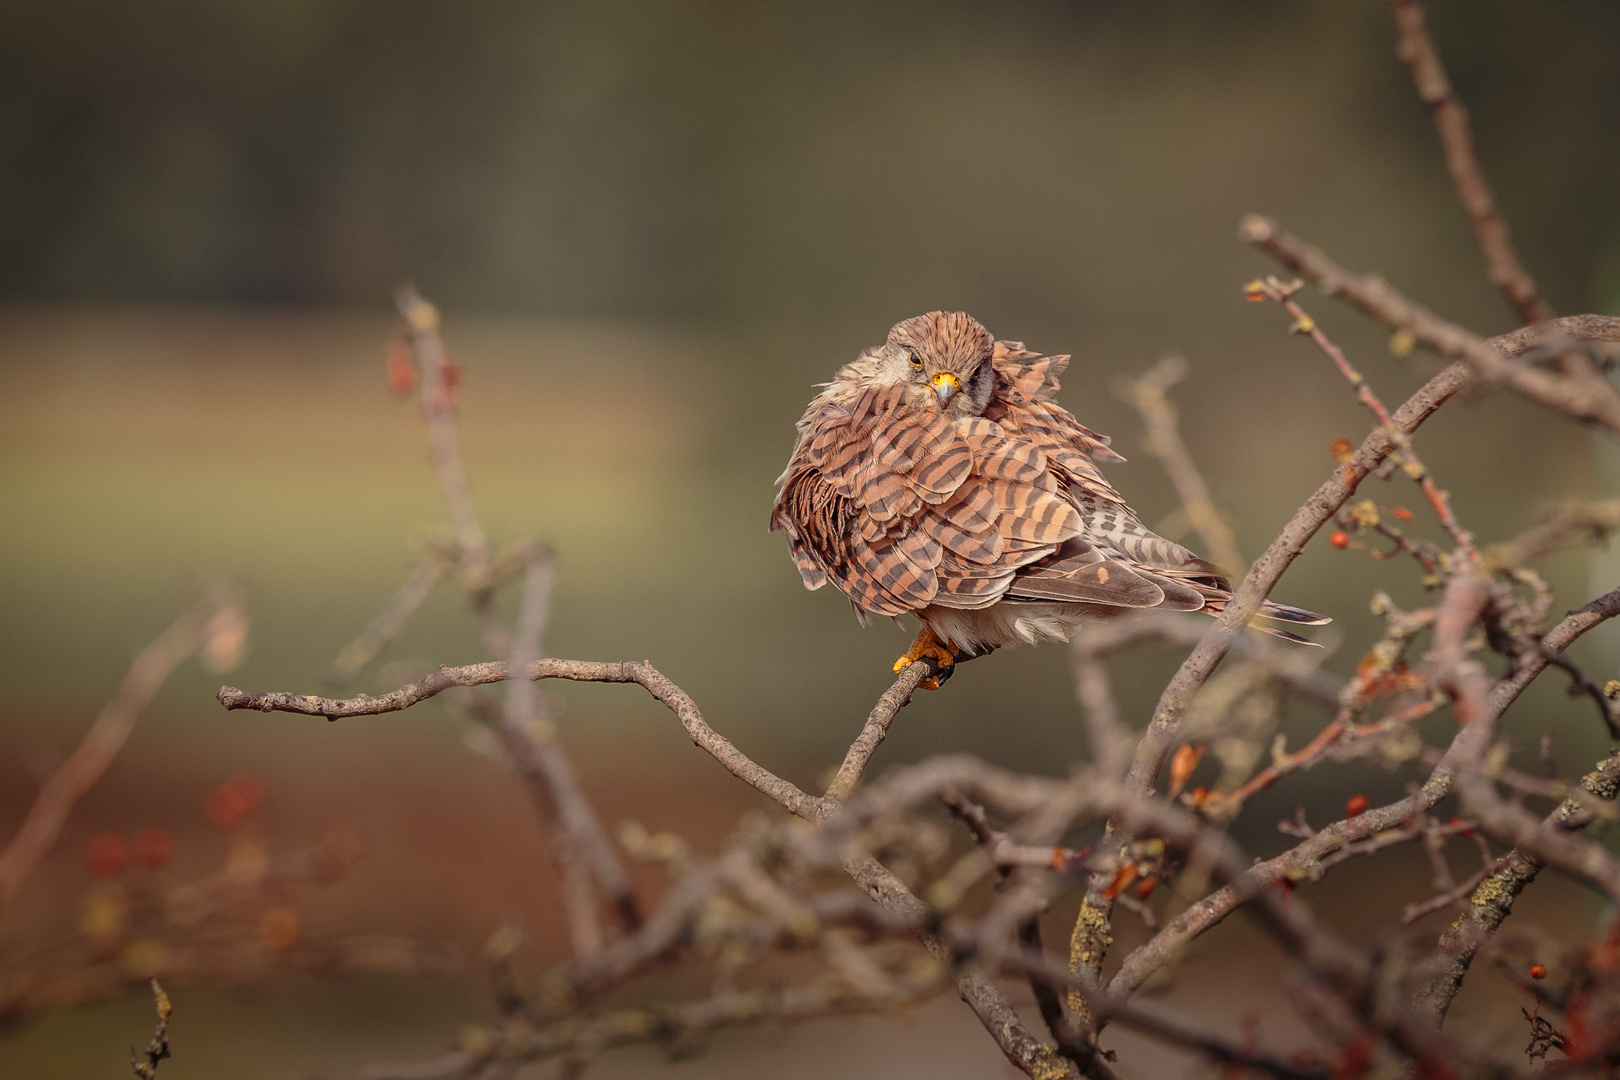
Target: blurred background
{"points": [[651, 227]]}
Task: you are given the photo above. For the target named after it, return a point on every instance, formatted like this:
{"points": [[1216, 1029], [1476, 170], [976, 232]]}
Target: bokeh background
{"points": [[652, 226]]}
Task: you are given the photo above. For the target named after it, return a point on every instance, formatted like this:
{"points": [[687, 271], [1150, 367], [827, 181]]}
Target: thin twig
{"points": [[876, 728], [1403, 455], [422, 325], [639, 672], [1502, 265], [158, 1048], [387, 623], [1595, 401], [1150, 394], [1583, 522]]}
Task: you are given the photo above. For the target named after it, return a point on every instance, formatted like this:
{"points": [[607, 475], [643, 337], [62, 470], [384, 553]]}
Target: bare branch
{"points": [[1092, 934], [422, 325], [877, 727], [1303, 859], [1585, 522], [1596, 400], [1150, 394], [1597, 329], [158, 1048], [1493, 899], [1502, 265], [639, 672], [388, 622], [1403, 454]]}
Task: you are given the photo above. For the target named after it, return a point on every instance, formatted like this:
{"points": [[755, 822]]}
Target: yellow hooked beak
{"points": [[946, 384]]}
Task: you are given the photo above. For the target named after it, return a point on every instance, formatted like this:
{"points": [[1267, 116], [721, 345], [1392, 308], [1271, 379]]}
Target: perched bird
{"points": [[937, 476]]}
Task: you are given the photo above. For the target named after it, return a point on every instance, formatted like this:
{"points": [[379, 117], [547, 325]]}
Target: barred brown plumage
{"points": [[937, 476]]}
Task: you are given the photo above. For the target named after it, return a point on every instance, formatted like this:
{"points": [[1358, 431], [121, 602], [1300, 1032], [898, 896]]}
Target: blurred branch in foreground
{"points": [[233, 927], [218, 628]]}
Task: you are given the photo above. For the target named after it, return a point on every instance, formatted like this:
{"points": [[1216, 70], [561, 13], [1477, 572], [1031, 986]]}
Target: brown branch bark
{"points": [[1302, 859], [1582, 328], [1149, 393], [1491, 901], [639, 672], [1589, 522], [418, 584], [1092, 934], [1502, 265], [988, 1003], [1595, 401]]}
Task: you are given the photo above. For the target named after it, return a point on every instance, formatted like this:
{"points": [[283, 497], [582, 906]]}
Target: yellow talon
{"points": [[927, 645]]}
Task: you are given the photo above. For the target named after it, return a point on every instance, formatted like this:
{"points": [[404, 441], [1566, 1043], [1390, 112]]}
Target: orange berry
{"points": [[1402, 512], [1537, 971], [1182, 764], [106, 855], [1340, 539], [1355, 804], [1461, 825], [1145, 889], [1342, 449], [401, 371], [153, 848]]}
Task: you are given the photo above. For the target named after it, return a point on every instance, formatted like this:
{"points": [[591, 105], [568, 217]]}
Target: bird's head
{"points": [[945, 357]]}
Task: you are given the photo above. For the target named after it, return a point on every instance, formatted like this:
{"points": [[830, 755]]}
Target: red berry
{"points": [[1402, 512], [153, 848], [1340, 539], [1537, 971], [106, 855], [234, 801], [1355, 804]]}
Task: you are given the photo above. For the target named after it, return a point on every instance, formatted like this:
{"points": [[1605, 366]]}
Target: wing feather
{"points": [[902, 507]]}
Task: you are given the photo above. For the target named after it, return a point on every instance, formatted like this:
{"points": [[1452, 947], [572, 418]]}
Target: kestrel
{"points": [[937, 476]]}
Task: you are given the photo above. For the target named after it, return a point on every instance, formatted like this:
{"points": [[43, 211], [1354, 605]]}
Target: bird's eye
{"points": [[916, 361]]}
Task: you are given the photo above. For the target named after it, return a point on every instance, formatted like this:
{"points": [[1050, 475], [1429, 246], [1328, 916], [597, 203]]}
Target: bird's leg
{"points": [[928, 644]]}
